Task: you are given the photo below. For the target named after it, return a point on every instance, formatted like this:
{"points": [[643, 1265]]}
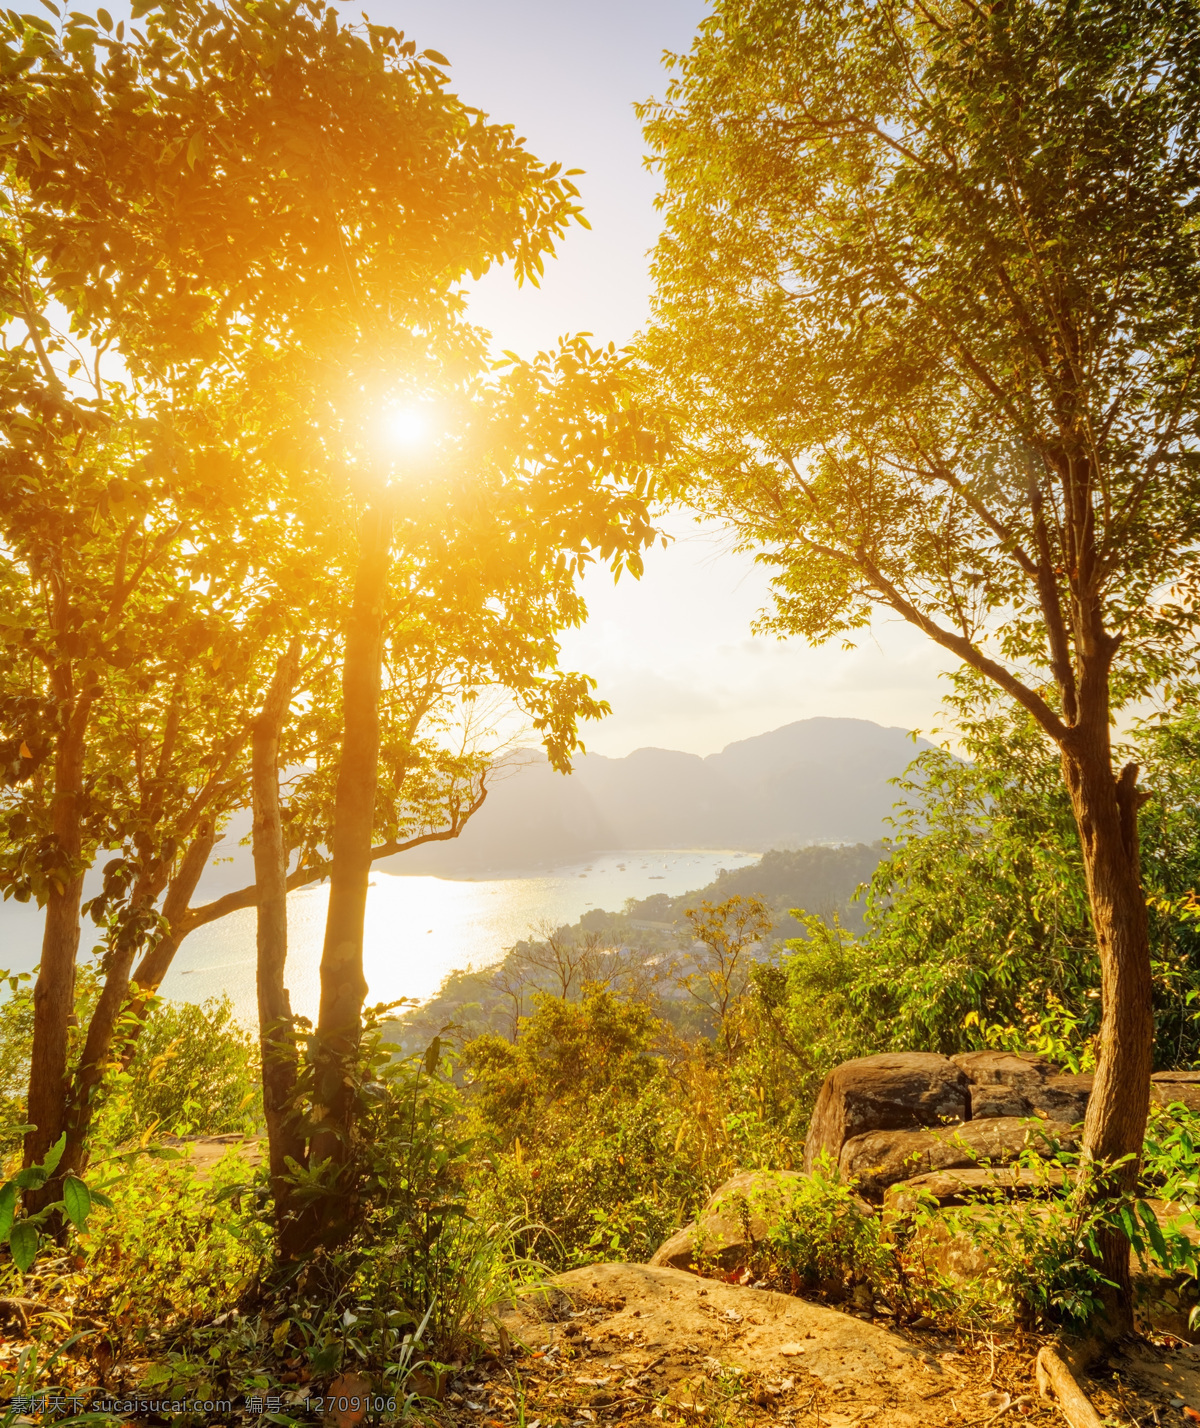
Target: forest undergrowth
{"points": [[591, 1130]]}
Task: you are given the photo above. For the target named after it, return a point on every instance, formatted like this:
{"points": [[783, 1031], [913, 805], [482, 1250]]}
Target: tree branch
{"points": [[959, 645], [248, 896]]}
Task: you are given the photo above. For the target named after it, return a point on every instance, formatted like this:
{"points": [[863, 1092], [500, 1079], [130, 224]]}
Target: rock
{"points": [[960, 1187], [669, 1325], [738, 1215], [899, 1092], [1184, 1078], [991, 1101], [1004, 1068], [1172, 1093], [1057, 1098], [885, 1158], [1061, 1098]]}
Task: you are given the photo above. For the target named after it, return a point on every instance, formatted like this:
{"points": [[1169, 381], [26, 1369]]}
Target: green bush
{"points": [[591, 1153], [195, 1071], [827, 1241]]}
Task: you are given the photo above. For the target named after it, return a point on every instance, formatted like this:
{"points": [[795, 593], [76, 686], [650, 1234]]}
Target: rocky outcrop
{"points": [[661, 1329], [900, 1092], [918, 1131], [972, 1183], [1168, 1088], [1004, 1068], [737, 1217], [885, 1158], [917, 1091]]}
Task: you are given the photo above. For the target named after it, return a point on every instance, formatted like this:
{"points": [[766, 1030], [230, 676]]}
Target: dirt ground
{"points": [[628, 1342], [662, 1348]]}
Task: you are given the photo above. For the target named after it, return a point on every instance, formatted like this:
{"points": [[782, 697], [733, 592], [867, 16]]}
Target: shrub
{"points": [[592, 1154], [195, 1070]]}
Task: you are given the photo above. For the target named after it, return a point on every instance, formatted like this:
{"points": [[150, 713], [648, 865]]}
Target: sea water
{"points": [[418, 929]]}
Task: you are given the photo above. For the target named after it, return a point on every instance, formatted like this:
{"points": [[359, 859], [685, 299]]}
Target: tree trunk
{"points": [[53, 1009], [343, 985], [156, 963], [277, 1039], [54, 990], [93, 1060], [1106, 814]]}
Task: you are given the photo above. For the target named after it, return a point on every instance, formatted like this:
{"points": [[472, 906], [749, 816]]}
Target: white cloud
{"points": [[675, 659]]}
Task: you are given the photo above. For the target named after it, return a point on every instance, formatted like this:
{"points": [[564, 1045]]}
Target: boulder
{"points": [[1061, 1098], [1004, 1068], [991, 1101], [738, 1215], [1170, 1088], [962, 1186], [884, 1158], [900, 1092]]}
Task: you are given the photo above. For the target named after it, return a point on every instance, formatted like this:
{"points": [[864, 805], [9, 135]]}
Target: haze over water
{"points": [[418, 929]]}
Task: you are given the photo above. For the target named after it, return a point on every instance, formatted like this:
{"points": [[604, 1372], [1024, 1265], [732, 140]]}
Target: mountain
{"points": [[814, 781]]}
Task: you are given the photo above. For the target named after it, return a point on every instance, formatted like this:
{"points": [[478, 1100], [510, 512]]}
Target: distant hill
{"points": [[814, 781], [816, 880], [648, 933]]}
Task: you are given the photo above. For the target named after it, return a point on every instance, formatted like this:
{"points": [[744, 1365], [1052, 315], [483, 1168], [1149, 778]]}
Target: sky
{"points": [[673, 653]]}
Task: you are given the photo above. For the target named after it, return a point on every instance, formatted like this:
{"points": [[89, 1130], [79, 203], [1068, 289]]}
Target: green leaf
{"points": [[54, 1154], [1154, 1233], [23, 1242], [100, 1198], [8, 1208], [77, 1201], [431, 1055]]}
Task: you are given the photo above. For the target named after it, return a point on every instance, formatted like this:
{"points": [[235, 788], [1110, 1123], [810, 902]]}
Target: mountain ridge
{"points": [[820, 780]]}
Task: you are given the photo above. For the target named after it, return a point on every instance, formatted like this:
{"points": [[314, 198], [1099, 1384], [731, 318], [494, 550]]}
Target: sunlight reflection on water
{"points": [[418, 928]]}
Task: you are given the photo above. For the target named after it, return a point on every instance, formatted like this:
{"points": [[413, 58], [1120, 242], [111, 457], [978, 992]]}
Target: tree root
{"points": [[988, 1419], [1055, 1380], [19, 1310]]}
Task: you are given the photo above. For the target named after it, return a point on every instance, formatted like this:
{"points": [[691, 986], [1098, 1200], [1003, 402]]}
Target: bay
{"points": [[418, 929]]}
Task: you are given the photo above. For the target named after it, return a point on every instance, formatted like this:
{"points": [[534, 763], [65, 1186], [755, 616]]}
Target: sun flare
{"points": [[405, 429]]}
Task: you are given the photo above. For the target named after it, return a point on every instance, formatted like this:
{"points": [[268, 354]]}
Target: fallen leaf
{"points": [[791, 1350], [350, 1397]]}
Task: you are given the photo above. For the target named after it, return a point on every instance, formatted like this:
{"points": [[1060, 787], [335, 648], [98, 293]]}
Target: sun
{"points": [[405, 429]]}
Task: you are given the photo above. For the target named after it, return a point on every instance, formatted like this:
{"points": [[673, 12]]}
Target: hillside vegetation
{"points": [[649, 944], [283, 541]]}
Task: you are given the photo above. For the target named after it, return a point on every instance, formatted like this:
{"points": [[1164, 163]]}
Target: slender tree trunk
{"points": [[1106, 814], [54, 990], [277, 1039], [343, 985], [93, 1060], [154, 966], [115, 1000], [53, 1009]]}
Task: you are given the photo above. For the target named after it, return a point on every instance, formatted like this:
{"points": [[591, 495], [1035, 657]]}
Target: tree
{"points": [[729, 932], [927, 315], [269, 214]]}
